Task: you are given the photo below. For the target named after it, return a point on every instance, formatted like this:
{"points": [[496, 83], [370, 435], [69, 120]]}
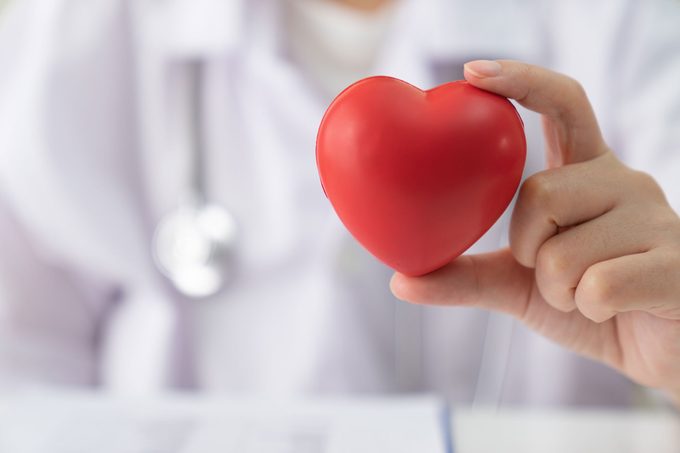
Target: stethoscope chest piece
{"points": [[194, 246]]}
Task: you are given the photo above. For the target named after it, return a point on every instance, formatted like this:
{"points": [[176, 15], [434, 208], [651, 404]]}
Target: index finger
{"points": [[558, 97]]}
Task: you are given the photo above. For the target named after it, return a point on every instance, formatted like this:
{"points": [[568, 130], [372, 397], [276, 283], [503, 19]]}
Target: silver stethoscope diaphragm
{"points": [[195, 245]]}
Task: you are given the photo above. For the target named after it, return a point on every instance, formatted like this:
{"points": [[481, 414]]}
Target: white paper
{"points": [[565, 431], [90, 423]]}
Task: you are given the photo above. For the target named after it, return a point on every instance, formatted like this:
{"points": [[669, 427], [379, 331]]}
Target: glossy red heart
{"points": [[418, 176]]}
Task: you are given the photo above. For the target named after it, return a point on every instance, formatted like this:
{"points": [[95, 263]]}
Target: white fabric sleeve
{"points": [[49, 316], [646, 93], [70, 230]]}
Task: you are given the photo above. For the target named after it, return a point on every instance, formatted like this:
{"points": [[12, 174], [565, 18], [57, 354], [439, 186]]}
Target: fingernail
{"points": [[395, 286], [483, 68]]}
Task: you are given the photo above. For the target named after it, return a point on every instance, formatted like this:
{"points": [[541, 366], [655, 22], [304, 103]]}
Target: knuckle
{"points": [[662, 225], [575, 98], [554, 260], [536, 192], [576, 88], [647, 183], [597, 287], [526, 69], [528, 73]]}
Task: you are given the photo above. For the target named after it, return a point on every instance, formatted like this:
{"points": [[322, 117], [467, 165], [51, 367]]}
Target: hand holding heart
{"points": [[594, 257]]}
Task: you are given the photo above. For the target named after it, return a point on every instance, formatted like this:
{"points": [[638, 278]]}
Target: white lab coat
{"points": [[90, 161]]}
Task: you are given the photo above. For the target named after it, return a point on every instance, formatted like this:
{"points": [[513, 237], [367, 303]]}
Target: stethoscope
{"points": [[195, 245]]}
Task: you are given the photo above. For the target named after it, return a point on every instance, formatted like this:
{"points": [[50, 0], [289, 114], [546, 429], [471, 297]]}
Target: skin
{"points": [[363, 5], [594, 257]]}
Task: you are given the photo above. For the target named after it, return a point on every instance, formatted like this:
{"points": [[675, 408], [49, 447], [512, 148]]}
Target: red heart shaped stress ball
{"points": [[418, 176]]}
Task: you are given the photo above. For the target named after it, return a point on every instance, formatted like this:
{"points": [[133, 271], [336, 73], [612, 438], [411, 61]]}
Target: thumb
{"points": [[560, 99], [493, 281]]}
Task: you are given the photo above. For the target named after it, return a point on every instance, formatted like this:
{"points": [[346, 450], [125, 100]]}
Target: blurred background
{"points": [[162, 225]]}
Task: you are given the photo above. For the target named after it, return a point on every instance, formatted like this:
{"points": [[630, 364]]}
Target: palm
{"points": [[645, 341]]}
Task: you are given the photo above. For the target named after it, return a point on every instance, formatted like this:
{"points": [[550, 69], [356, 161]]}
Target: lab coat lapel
{"points": [[168, 34], [138, 350], [280, 117], [65, 126]]}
